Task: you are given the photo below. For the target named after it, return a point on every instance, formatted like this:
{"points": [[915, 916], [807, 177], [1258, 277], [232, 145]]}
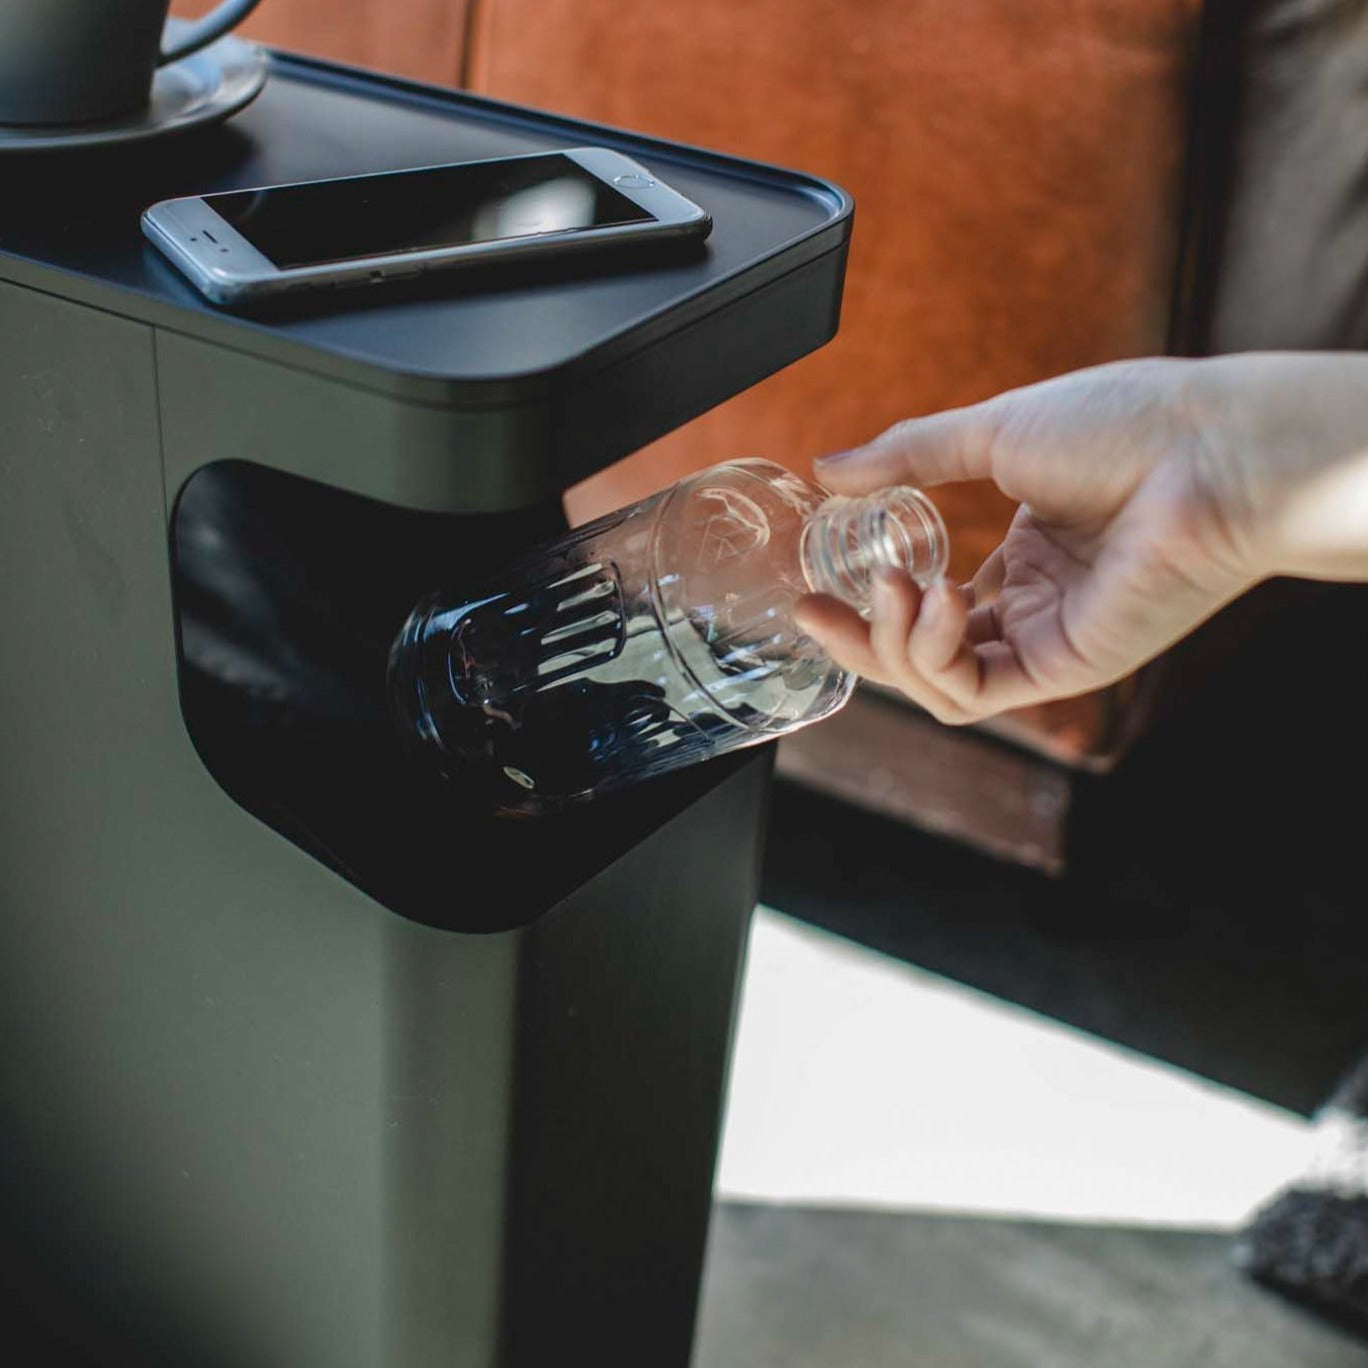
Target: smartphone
{"points": [[244, 245]]}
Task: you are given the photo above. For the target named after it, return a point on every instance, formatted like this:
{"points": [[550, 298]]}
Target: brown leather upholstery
{"points": [[423, 39]]}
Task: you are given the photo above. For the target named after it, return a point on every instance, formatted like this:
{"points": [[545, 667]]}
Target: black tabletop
{"points": [[69, 225]]}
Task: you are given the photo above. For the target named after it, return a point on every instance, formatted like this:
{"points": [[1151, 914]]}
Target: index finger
{"points": [[955, 444]]}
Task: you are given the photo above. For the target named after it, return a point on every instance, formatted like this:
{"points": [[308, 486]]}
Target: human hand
{"points": [[1152, 492]]}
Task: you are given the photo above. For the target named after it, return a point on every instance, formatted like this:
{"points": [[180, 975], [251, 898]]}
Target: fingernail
{"points": [[885, 592], [933, 603], [833, 458]]}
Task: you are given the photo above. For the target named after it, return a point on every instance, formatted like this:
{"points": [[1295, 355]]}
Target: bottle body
{"points": [[653, 638]]}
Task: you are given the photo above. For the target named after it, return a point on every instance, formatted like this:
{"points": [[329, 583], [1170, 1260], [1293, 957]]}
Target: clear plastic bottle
{"points": [[655, 637]]}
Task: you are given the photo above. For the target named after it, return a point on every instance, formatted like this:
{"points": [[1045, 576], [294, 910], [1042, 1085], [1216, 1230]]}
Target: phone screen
{"points": [[408, 211]]}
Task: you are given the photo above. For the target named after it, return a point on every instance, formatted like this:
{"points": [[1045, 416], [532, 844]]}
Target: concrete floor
{"points": [[914, 1173], [794, 1288]]}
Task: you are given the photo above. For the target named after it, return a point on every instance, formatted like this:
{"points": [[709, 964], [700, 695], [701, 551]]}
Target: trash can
{"points": [[306, 1061]]}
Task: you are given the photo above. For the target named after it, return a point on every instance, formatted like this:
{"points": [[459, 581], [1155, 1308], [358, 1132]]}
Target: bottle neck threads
{"points": [[847, 540]]}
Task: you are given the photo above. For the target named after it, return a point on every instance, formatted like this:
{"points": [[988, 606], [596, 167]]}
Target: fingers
{"points": [[917, 643], [904, 622], [983, 625], [942, 650], [842, 633], [940, 669], [897, 603], [988, 579], [954, 445]]}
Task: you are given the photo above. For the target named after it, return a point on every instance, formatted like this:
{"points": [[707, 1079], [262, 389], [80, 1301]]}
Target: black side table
{"points": [[303, 1061]]}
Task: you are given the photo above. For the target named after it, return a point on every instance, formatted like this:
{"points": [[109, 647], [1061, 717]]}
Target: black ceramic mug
{"points": [[76, 61]]}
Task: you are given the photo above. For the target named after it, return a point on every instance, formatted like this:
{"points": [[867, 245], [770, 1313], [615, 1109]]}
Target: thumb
{"points": [[955, 444]]}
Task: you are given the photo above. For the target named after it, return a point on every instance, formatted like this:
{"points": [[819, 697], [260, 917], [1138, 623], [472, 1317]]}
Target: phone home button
{"points": [[632, 181]]}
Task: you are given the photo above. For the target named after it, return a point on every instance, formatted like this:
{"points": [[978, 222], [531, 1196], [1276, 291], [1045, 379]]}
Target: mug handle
{"points": [[203, 31]]}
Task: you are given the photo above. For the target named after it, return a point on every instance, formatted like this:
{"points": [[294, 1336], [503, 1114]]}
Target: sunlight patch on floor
{"points": [[862, 1081]]}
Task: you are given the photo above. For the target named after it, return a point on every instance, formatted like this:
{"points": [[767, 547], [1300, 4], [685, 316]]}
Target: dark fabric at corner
{"points": [[1310, 1241]]}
